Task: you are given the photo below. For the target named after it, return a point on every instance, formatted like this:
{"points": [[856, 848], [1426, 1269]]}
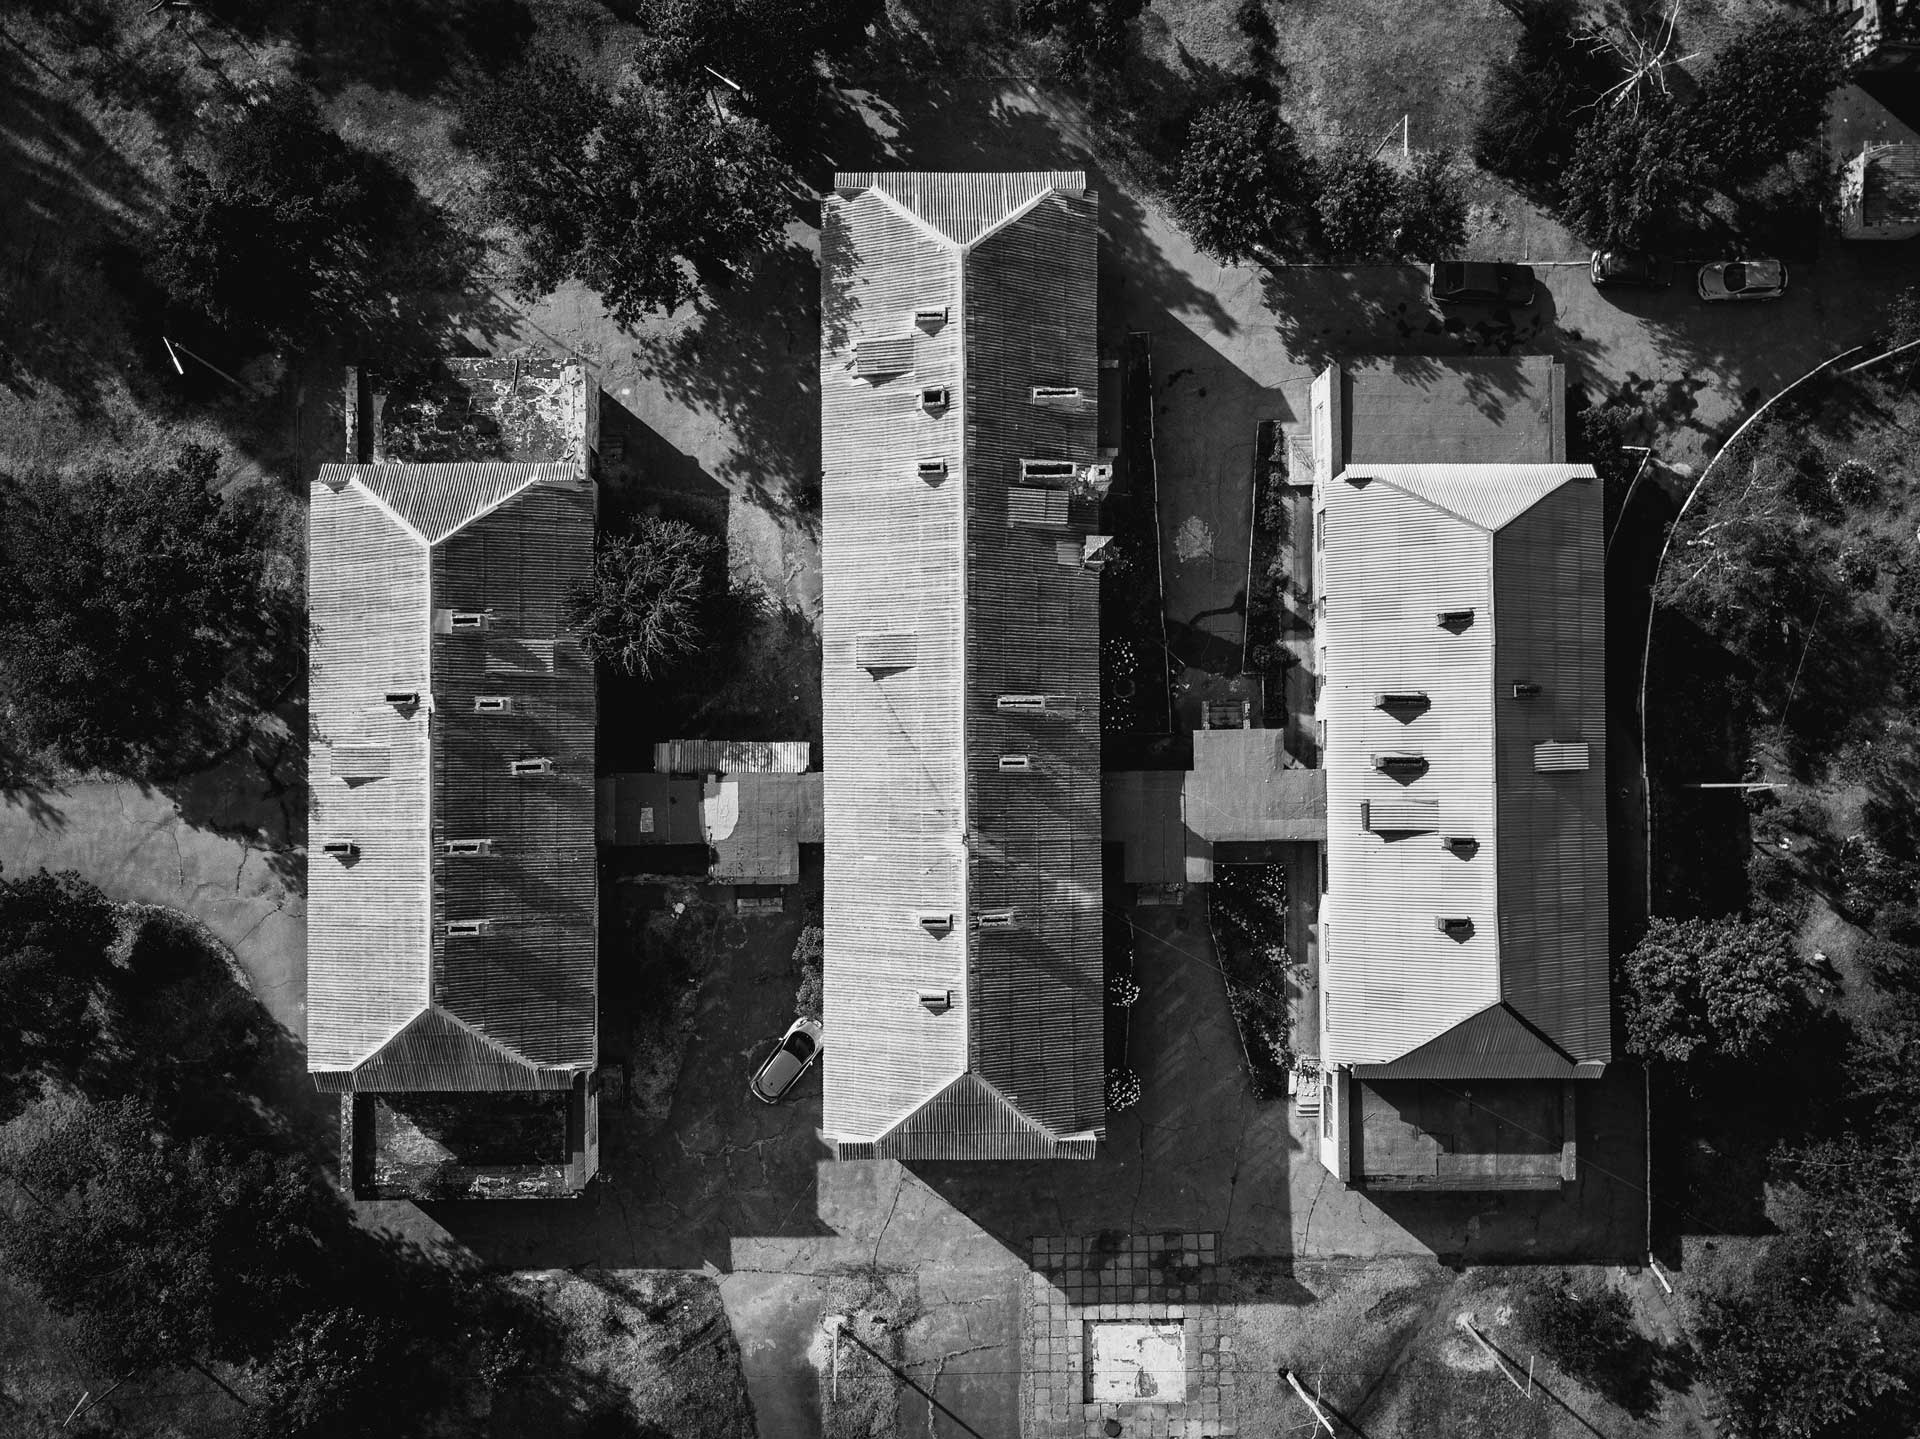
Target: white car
{"points": [[793, 1057], [1743, 280]]}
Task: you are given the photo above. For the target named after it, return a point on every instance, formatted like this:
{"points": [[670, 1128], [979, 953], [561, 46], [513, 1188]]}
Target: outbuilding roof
{"points": [[938, 800], [453, 945]]}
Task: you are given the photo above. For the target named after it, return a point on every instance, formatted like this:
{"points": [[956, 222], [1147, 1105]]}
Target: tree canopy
{"points": [[1631, 172], [769, 48], [1242, 187], [1536, 101], [1357, 205], [641, 195], [1431, 213], [1764, 94], [158, 1253], [1711, 989], [125, 590], [651, 601], [1092, 37], [56, 931], [283, 232]]}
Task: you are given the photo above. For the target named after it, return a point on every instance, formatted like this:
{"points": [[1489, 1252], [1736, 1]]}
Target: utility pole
{"points": [[1311, 1403], [1466, 1322], [902, 1376]]}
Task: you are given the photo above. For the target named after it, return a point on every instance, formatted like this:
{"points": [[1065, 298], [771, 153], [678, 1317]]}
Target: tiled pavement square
{"points": [[1161, 1277]]}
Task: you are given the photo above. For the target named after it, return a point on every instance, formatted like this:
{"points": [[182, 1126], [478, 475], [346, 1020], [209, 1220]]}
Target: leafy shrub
{"points": [[1764, 94], [1123, 1089], [1090, 37], [1358, 203], [652, 594], [809, 951], [1586, 1327], [1711, 989], [1629, 173], [1123, 991], [1431, 213], [1857, 569], [1241, 187], [1855, 483]]}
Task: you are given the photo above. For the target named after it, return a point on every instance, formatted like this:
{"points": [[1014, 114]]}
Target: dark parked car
{"points": [[794, 1056], [1473, 282], [1631, 268]]}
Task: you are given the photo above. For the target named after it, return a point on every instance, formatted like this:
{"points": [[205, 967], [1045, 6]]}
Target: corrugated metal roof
{"points": [[918, 815], [378, 955], [1395, 555], [714, 756], [643, 809], [1243, 788], [437, 1052], [962, 208], [1494, 1044], [1490, 496], [436, 500], [969, 1119]]}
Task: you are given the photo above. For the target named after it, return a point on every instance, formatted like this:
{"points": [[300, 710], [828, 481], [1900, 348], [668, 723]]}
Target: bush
{"points": [[1711, 989], [1242, 188], [1358, 204], [56, 931], [652, 594], [1123, 1089], [1431, 215], [769, 47], [1856, 568], [1855, 483], [1586, 1327], [809, 951], [1630, 172]]}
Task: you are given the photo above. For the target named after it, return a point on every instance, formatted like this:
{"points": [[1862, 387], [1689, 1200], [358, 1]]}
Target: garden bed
{"points": [[1135, 691], [1247, 917]]}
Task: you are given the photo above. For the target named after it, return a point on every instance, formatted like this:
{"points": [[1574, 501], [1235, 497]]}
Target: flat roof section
{"points": [[1506, 409], [1483, 1134]]}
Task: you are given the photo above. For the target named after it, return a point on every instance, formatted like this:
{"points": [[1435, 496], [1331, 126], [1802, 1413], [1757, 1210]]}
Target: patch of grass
{"points": [[879, 1306], [657, 1343]]}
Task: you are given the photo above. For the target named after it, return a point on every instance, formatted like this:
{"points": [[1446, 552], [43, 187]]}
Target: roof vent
{"points": [[1039, 704], [1455, 620], [1055, 394], [1015, 763], [1048, 469], [934, 397], [1463, 845], [994, 919], [937, 1001], [933, 469], [1523, 690], [354, 760], [468, 848], [1400, 699], [341, 849], [936, 923], [467, 928], [403, 699], [533, 766], [493, 704], [1399, 762], [1561, 756], [930, 316], [1454, 926]]}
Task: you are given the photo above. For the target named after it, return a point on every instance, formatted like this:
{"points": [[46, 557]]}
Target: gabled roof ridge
{"points": [[1019, 212], [907, 213], [480, 1034], [405, 526], [940, 1088]]}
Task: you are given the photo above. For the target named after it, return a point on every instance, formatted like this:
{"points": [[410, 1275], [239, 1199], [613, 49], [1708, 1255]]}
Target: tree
{"points": [[124, 591], [1711, 989], [1242, 188], [634, 195], [1536, 102], [1797, 1356], [1093, 37], [158, 1253], [1432, 212], [770, 48], [1358, 204], [651, 599], [1631, 172], [55, 934], [285, 232], [1764, 94]]}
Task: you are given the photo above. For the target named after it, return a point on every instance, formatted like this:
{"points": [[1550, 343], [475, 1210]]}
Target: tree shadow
{"points": [[413, 46], [751, 363], [72, 196]]}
